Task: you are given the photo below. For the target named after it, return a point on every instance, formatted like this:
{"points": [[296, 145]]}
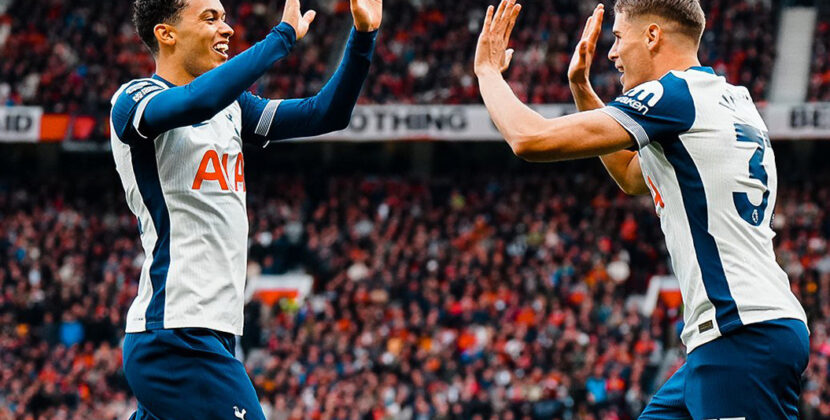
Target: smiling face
{"points": [[202, 36], [631, 53]]}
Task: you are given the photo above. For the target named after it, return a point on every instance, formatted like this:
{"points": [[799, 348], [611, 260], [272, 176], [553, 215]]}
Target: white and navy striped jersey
{"points": [[706, 156], [187, 188]]}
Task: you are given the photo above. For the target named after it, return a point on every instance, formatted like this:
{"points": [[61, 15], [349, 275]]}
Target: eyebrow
{"points": [[212, 12]]}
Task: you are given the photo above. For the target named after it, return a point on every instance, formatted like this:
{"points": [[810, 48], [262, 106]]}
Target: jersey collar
{"points": [[703, 69], [161, 79]]}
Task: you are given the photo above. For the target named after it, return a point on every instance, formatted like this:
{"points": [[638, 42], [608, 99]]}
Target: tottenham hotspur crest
{"points": [[239, 414]]}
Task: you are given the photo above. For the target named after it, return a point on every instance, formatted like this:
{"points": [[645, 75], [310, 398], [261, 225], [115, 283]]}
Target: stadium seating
{"points": [[820, 81], [73, 60], [466, 296]]}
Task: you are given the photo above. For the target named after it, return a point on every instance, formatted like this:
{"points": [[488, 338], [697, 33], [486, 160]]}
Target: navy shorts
{"points": [[189, 373], [753, 373]]}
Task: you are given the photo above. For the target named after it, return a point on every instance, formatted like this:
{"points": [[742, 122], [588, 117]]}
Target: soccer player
{"points": [[177, 140], [702, 150]]}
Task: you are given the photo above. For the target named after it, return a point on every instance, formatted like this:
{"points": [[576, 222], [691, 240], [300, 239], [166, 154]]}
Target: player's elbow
{"points": [[328, 116], [523, 151], [199, 111], [633, 188], [340, 121], [528, 147]]}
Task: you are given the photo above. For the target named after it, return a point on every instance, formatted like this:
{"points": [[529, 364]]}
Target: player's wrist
{"points": [[362, 42], [487, 71], [364, 27], [579, 83], [287, 30]]}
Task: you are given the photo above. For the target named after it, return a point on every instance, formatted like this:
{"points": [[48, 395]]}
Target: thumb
{"points": [[508, 56], [308, 17]]}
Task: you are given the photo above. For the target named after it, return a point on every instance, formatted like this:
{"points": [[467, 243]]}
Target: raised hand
{"points": [[579, 70], [367, 14], [491, 52], [292, 16]]}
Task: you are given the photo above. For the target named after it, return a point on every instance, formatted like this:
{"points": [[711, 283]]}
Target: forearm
{"points": [[624, 168], [537, 139], [623, 165], [336, 100], [515, 120], [585, 97], [213, 91], [331, 108]]}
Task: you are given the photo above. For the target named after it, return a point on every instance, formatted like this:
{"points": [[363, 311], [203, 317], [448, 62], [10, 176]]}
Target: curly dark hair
{"points": [[149, 13]]}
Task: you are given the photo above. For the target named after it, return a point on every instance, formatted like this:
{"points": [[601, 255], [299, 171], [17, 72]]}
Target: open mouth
{"points": [[221, 48]]}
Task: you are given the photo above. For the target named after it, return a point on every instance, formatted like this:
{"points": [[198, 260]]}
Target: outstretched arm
{"points": [[331, 108], [624, 165], [531, 136], [149, 110]]}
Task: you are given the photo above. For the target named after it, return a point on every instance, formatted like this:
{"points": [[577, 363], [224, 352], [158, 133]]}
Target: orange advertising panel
{"points": [[53, 127]]}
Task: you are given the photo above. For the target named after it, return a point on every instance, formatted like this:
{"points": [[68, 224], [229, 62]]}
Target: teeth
{"points": [[221, 48]]}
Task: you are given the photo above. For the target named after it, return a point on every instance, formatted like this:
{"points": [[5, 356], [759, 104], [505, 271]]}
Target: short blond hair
{"points": [[686, 13]]}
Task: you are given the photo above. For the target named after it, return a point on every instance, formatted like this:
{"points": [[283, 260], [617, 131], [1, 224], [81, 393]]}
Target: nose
{"points": [[226, 30], [613, 54]]}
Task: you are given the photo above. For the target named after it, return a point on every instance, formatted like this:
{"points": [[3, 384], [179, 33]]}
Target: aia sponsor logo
{"points": [[658, 198], [214, 169]]}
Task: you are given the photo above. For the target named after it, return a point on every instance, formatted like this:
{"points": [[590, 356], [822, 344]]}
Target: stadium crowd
{"points": [[819, 89], [461, 296], [78, 52]]}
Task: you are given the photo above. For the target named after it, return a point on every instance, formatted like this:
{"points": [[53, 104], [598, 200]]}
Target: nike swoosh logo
{"points": [[200, 124]]}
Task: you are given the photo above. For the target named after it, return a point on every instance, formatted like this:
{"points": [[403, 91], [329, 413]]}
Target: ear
{"points": [[165, 34], [654, 35]]}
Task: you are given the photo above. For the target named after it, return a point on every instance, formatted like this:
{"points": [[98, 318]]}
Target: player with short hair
{"points": [[177, 141], [702, 150]]}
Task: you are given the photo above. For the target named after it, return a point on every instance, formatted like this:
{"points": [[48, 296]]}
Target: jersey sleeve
{"points": [[329, 110], [257, 117], [128, 105], [655, 111]]}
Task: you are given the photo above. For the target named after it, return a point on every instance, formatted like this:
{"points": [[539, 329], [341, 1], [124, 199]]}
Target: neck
{"points": [[675, 62], [168, 68]]}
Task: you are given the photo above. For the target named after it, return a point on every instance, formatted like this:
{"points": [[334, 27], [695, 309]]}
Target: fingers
{"points": [[503, 19], [291, 13], [587, 29], [488, 19], [596, 25], [499, 14], [511, 20]]}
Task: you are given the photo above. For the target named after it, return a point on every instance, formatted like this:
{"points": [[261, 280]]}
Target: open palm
{"points": [[367, 14], [579, 71]]}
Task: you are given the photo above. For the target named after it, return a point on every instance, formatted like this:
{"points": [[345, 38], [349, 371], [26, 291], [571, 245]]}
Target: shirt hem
{"points": [[226, 328], [697, 340]]}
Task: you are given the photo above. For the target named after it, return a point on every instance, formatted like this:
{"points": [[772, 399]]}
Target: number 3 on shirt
{"points": [[753, 214]]}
